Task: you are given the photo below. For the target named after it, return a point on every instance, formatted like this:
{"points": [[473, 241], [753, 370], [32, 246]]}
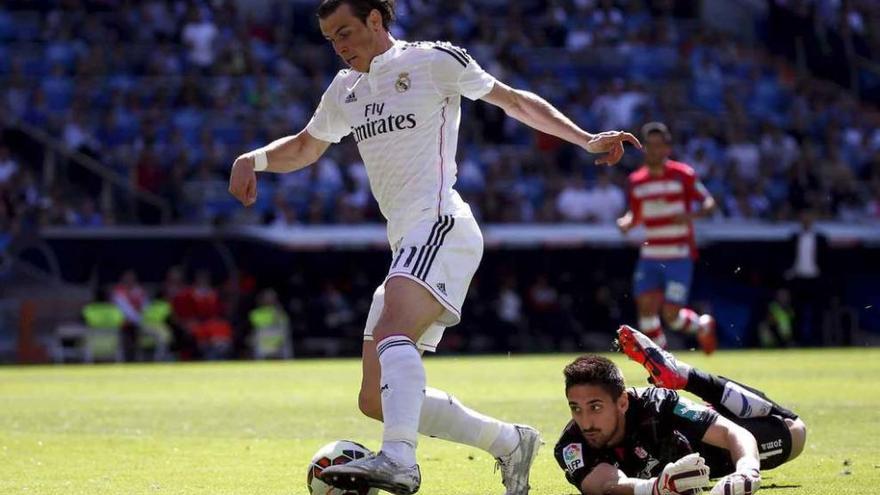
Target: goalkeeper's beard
{"points": [[601, 441]]}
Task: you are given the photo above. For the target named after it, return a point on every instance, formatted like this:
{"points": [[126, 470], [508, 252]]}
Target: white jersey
{"points": [[404, 115]]}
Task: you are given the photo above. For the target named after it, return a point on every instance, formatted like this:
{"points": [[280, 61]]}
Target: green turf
{"points": [[250, 428]]}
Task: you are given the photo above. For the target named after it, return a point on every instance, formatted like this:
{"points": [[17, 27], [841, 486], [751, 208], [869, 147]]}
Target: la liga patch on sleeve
{"points": [[573, 455]]}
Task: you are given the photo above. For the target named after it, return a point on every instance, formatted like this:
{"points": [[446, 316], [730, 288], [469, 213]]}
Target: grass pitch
{"points": [[250, 428]]}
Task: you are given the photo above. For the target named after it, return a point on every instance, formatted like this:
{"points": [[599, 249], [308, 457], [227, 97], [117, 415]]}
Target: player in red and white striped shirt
{"points": [[661, 196]]}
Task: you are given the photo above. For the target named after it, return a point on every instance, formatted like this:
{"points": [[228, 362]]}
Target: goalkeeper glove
{"points": [[686, 476], [744, 483]]}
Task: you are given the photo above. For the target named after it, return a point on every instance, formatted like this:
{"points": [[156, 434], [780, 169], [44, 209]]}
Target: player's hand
{"points": [[625, 223], [686, 476], [243, 180], [745, 483], [611, 144]]}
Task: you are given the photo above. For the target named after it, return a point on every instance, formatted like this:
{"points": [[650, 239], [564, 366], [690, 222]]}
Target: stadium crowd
{"points": [[168, 92]]}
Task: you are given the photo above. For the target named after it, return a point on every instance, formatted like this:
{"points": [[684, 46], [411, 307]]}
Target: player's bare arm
{"points": [[743, 450], [538, 113], [283, 155], [682, 476], [707, 207], [605, 479]]}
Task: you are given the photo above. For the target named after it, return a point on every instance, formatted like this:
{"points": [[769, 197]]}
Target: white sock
{"points": [[403, 391], [443, 416], [743, 402]]}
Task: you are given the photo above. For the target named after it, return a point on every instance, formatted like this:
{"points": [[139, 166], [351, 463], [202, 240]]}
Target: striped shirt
{"points": [[657, 201], [404, 115]]}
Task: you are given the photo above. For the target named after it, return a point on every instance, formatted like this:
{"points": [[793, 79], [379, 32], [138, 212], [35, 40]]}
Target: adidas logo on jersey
{"points": [[442, 288], [351, 98]]}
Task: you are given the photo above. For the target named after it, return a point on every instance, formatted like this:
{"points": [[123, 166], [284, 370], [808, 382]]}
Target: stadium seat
{"points": [[155, 333], [97, 339]]}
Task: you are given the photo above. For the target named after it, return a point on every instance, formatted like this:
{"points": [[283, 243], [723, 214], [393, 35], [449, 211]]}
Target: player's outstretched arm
{"points": [[686, 476], [538, 113], [282, 155], [605, 479], [743, 450]]}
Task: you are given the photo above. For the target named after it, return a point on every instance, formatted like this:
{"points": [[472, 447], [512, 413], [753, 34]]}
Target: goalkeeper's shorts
{"points": [[774, 445]]}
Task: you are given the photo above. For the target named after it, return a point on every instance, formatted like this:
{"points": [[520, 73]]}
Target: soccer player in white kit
{"points": [[401, 103]]}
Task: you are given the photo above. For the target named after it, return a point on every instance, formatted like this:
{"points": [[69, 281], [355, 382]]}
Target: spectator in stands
{"points": [[8, 168], [336, 310], [87, 215], [8, 225], [200, 36], [808, 248], [575, 204], [212, 330], [546, 315], [777, 327], [778, 149], [284, 213], [743, 155], [226, 80], [269, 317], [509, 311], [606, 199], [131, 299], [182, 319]]}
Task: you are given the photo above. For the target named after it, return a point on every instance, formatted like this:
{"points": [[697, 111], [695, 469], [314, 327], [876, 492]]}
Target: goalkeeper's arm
{"points": [[686, 476], [743, 450]]}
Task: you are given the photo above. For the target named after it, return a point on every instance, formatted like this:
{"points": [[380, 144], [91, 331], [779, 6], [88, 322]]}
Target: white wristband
{"points": [[644, 487], [261, 161]]}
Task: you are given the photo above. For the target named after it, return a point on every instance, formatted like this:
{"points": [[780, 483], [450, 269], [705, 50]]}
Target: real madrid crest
{"points": [[403, 82]]}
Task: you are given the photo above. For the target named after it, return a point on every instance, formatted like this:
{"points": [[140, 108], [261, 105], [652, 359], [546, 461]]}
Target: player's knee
{"points": [[370, 404], [798, 430], [393, 321]]}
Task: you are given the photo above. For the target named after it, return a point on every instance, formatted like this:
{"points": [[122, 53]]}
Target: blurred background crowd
{"points": [[166, 93], [123, 112]]}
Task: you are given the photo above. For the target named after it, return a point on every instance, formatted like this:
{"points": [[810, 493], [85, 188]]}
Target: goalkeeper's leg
{"points": [[740, 400], [780, 433], [732, 399]]}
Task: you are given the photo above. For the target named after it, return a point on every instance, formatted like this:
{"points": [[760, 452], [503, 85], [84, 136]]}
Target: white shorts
{"points": [[442, 256]]}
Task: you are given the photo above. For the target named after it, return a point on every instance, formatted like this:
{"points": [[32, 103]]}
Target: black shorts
{"points": [[774, 445]]}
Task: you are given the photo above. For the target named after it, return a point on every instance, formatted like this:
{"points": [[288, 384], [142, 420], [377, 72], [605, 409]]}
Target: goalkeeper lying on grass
{"points": [[654, 442]]}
